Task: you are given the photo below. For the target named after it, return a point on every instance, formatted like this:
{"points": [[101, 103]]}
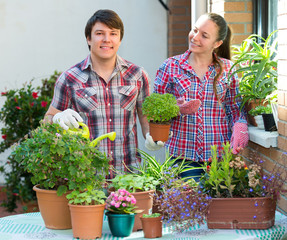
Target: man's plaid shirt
{"points": [[212, 123], [106, 107]]}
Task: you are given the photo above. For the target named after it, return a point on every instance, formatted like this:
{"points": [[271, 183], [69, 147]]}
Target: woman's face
{"points": [[203, 37]]}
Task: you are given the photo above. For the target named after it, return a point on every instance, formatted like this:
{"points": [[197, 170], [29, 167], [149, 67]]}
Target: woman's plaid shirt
{"points": [[212, 123]]}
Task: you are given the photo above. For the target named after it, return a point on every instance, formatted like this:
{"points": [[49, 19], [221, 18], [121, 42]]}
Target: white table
{"points": [[30, 226]]}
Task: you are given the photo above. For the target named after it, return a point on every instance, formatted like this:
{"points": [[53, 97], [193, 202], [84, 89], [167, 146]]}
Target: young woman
{"points": [[199, 79]]}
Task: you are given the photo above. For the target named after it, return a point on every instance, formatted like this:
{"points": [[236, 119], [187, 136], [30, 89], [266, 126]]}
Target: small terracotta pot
{"points": [[87, 220], [241, 213], [152, 227], [144, 202], [54, 209], [252, 104], [159, 132]]}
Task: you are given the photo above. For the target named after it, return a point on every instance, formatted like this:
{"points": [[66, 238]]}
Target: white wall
{"points": [[40, 36]]}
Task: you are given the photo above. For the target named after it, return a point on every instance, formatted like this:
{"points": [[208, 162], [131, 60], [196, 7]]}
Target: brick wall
{"points": [[238, 14], [179, 25]]}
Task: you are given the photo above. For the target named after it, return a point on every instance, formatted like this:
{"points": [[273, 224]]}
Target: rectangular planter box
{"points": [[241, 213]]}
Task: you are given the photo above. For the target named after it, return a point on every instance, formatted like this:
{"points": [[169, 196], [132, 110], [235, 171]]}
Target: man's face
{"points": [[104, 41]]}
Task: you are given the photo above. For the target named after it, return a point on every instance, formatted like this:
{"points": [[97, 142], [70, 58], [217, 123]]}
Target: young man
{"points": [[104, 91]]}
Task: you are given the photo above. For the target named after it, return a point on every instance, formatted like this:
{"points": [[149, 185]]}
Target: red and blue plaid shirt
{"points": [[212, 123], [106, 107]]}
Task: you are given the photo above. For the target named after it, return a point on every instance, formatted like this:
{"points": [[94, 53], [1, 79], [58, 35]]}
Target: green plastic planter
{"points": [[121, 225]]}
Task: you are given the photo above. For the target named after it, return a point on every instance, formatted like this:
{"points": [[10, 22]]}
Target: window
{"points": [[264, 17]]}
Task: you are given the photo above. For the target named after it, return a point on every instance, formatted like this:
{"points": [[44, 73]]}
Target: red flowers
{"points": [[4, 136], [18, 107], [35, 95], [44, 104], [4, 93]]}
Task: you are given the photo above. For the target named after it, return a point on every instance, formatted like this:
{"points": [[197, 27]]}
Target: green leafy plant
{"points": [[160, 108], [61, 161], [259, 110], [133, 182], [22, 111], [228, 176], [255, 59], [153, 215], [88, 197], [121, 202], [160, 170]]}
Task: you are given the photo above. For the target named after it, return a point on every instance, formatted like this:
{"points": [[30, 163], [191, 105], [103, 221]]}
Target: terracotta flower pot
{"points": [[144, 202], [54, 209], [241, 213], [159, 132], [152, 227], [87, 220], [252, 104]]}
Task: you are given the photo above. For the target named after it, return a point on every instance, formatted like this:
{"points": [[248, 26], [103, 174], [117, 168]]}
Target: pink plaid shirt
{"points": [[212, 123], [106, 107]]}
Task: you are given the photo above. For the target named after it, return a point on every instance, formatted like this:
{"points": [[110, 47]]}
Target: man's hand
{"points": [[239, 138], [151, 145], [189, 107], [67, 119]]}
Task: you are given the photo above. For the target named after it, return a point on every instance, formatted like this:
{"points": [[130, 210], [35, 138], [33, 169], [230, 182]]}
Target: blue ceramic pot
{"points": [[121, 225]]}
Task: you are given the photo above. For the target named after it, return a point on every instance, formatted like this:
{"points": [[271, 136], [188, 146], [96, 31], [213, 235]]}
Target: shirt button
{"points": [[107, 89], [109, 104], [110, 120], [111, 152], [86, 95]]}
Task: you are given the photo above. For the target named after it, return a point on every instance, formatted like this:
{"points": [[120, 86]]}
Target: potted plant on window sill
{"points": [[159, 110], [141, 187], [59, 162], [256, 62], [152, 225], [242, 197]]}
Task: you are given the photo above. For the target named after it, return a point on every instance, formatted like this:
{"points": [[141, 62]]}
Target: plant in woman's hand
{"points": [[121, 202]]}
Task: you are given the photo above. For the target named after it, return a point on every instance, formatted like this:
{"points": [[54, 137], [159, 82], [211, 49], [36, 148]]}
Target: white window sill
{"points": [[263, 138]]}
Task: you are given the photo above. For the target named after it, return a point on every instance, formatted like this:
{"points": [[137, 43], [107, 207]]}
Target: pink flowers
{"points": [[121, 201]]}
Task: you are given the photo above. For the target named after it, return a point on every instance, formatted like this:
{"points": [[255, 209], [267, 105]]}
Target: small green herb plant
{"points": [[259, 110], [153, 215], [133, 182], [61, 161], [88, 197], [160, 108]]}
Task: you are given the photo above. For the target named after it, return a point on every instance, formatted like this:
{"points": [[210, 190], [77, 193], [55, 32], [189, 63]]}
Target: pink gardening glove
{"points": [[239, 138], [188, 107]]}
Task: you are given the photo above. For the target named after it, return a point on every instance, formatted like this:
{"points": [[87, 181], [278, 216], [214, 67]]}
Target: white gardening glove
{"points": [[151, 145], [67, 119]]}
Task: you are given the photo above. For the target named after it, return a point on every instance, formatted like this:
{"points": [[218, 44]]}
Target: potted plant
{"points": [[242, 197], [121, 206], [182, 204], [257, 114], [141, 187], [59, 162], [87, 211], [159, 110], [256, 62], [152, 225]]}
